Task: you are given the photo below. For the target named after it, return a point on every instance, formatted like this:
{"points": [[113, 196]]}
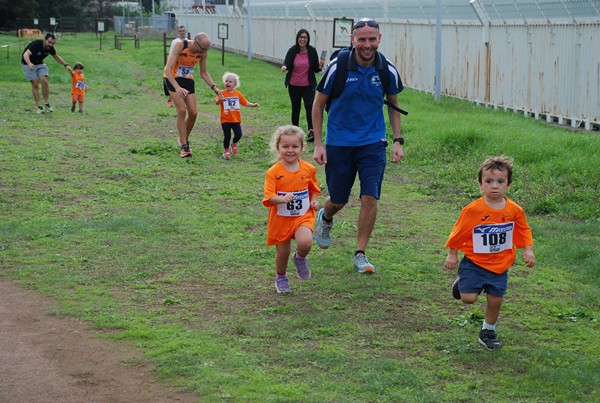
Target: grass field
{"points": [[99, 212]]}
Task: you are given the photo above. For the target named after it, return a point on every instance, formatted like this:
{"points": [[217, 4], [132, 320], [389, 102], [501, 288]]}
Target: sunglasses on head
{"points": [[365, 21], [200, 46]]}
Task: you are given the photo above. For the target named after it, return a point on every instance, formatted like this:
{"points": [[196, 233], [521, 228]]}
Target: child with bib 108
{"points": [[488, 232], [290, 192]]}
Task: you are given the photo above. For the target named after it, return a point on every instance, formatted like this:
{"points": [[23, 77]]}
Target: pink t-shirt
{"points": [[299, 76]]}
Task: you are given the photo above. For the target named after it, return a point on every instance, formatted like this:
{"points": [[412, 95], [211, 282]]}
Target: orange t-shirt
{"points": [[230, 107], [284, 219], [489, 237], [186, 62], [78, 86]]}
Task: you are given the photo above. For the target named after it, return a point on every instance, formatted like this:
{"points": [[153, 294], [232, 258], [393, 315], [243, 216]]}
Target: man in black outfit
{"points": [[36, 71]]}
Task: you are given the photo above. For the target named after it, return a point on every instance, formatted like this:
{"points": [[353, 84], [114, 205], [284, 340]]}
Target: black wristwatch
{"points": [[399, 140]]}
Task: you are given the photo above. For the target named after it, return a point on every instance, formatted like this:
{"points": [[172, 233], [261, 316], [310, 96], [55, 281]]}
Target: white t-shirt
{"points": [[173, 44]]}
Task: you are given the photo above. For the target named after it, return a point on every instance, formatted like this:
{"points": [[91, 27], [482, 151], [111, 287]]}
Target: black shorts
{"points": [[186, 83]]}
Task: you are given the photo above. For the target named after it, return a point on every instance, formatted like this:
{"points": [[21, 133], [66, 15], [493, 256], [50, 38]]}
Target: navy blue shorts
{"points": [[343, 163], [473, 279]]}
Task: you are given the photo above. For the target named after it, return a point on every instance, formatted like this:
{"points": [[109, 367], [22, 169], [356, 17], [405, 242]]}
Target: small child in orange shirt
{"points": [[231, 119], [78, 88], [290, 192], [488, 232]]}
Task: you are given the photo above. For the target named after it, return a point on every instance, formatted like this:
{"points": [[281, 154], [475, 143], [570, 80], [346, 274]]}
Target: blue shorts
{"points": [[473, 279], [343, 163]]}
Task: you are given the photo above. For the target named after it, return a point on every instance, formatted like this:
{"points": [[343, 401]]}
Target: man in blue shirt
{"points": [[356, 139]]}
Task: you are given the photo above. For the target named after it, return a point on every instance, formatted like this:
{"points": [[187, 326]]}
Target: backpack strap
{"points": [[384, 77], [341, 75]]}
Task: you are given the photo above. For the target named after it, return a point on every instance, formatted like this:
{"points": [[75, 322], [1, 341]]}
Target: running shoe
{"points": [[362, 265], [455, 291], [302, 268], [41, 109], [234, 148], [226, 154], [322, 231], [48, 108], [310, 137], [282, 284], [488, 339], [186, 151]]}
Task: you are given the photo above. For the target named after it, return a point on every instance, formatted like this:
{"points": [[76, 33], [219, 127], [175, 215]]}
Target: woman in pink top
{"points": [[301, 63]]}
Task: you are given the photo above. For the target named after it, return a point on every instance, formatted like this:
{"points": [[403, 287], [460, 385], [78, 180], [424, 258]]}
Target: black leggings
{"points": [[237, 133], [297, 95]]}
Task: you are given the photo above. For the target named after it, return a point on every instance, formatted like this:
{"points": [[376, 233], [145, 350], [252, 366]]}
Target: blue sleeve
{"points": [[396, 85], [326, 84]]}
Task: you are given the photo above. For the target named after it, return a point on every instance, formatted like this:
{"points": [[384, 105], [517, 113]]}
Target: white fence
{"points": [[549, 72]]}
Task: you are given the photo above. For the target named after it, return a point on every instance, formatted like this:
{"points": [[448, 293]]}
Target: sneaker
{"points": [[234, 148], [302, 268], [226, 154], [455, 291], [310, 137], [362, 265], [41, 110], [186, 151], [322, 230], [488, 339], [282, 284], [73, 108], [81, 111], [48, 108]]}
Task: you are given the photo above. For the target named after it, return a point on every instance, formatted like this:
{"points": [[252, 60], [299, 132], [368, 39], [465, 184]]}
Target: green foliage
{"points": [[98, 211]]}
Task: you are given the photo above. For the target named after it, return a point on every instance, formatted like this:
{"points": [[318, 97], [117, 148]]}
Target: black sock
{"points": [[328, 220], [359, 251]]}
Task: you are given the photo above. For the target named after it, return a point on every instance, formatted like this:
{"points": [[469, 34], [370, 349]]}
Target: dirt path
{"points": [[44, 358]]}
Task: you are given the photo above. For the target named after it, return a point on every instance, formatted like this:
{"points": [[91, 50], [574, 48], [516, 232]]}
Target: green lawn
{"points": [[99, 212]]}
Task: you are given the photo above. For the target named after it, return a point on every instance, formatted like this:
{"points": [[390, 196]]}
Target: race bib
{"points": [[297, 207], [493, 238], [231, 104], [185, 71], [80, 85]]}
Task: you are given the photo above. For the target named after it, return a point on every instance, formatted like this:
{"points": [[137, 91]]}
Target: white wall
{"points": [[546, 71]]}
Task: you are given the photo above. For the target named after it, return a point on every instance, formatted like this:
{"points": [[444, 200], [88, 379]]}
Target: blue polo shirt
{"points": [[356, 118]]}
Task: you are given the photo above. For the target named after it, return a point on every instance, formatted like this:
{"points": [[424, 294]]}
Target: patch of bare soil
{"points": [[45, 358]]}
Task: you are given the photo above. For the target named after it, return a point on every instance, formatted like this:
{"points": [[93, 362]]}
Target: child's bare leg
{"points": [[492, 310], [469, 298], [281, 257], [304, 240]]}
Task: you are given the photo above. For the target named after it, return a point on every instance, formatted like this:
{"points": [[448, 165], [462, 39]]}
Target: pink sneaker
{"points": [[226, 154], [234, 148]]}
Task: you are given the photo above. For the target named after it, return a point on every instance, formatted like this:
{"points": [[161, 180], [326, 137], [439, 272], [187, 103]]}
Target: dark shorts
{"points": [[474, 279], [186, 83], [343, 163], [166, 87]]}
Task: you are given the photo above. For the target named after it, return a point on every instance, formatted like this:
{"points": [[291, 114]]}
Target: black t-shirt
{"points": [[38, 52]]}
